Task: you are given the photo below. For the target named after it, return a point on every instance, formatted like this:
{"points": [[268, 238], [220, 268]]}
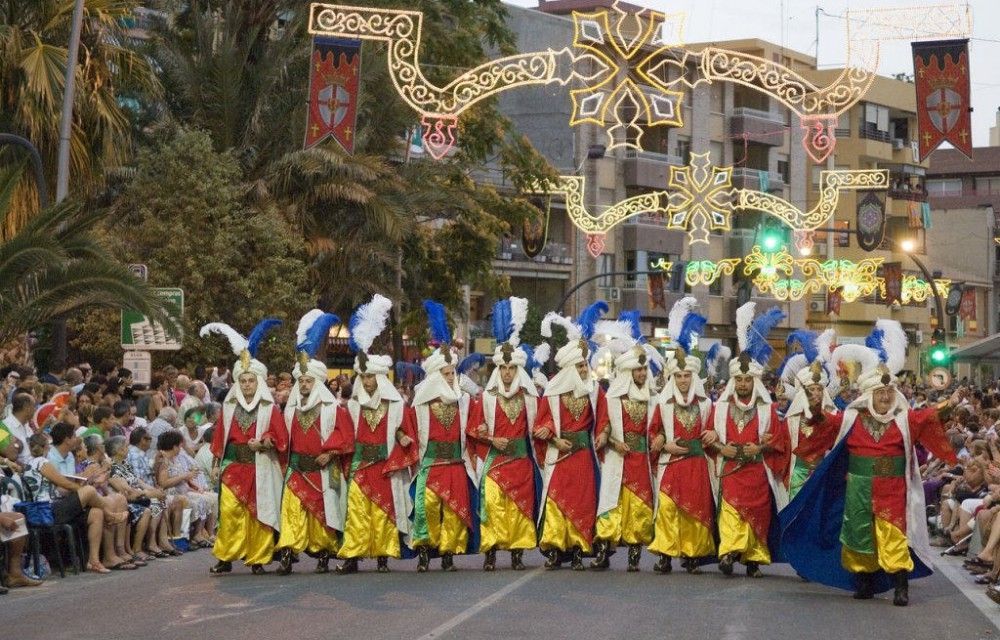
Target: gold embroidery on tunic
{"points": [[806, 430], [636, 410], [688, 417], [575, 406], [445, 413], [308, 418], [741, 417], [374, 416], [244, 418], [512, 407], [874, 427]]}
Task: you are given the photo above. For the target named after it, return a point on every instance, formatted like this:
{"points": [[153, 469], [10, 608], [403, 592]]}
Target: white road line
{"points": [[488, 601]]}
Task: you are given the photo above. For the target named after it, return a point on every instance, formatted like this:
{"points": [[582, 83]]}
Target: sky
{"points": [[792, 23]]}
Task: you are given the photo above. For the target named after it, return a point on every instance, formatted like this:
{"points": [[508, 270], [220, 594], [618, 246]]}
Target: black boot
{"points": [[257, 569], [726, 563], [221, 566], [691, 566], [577, 563], [865, 586], [634, 553], [600, 560], [350, 566], [516, 562], [552, 559], [753, 570], [284, 562], [323, 562], [490, 561], [901, 597], [447, 562], [423, 560], [382, 565], [664, 565]]}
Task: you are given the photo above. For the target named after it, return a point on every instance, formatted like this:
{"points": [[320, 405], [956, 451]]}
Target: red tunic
{"points": [[747, 489], [308, 487], [817, 436], [573, 486], [514, 476], [686, 480], [241, 477], [449, 481], [889, 492], [374, 478], [636, 466]]}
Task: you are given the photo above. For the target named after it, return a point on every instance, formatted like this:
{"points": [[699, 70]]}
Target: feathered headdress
{"points": [[437, 323], [717, 354], [590, 316], [470, 362], [891, 344], [573, 330], [757, 346], [368, 322], [685, 325], [314, 329], [244, 348]]}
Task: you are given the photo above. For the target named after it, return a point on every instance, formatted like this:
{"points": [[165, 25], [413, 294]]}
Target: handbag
{"points": [[36, 512]]}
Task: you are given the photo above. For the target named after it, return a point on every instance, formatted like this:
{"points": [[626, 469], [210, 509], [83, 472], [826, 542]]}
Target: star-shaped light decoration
{"points": [[701, 198], [627, 94]]}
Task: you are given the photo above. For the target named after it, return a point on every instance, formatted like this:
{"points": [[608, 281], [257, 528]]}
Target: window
{"points": [[684, 149], [901, 128], [949, 187], [784, 169], [875, 125], [988, 185], [606, 264], [715, 151], [844, 124]]}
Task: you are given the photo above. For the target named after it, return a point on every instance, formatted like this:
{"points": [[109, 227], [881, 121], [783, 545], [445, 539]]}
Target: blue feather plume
{"points": [[409, 372], [807, 342], [654, 368], [874, 341], [589, 317], [694, 324], [632, 318], [757, 346], [713, 352], [317, 334], [470, 362], [437, 322], [531, 365], [259, 332], [502, 320]]}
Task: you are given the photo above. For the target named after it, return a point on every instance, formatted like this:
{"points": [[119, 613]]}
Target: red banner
{"points": [[654, 283], [333, 92], [833, 300], [967, 310], [893, 274], [941, 73]]}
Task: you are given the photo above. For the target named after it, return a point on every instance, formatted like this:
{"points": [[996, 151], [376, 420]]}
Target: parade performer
{"points": [[752, 450], [499, 427], [572, 407], [812, 418], [623, 443], [378, 498], [859, 522], [685, 478], [318, 434], [244, 451], [444, 515]]}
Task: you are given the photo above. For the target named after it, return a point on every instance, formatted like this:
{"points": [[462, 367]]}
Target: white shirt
{"points": [[22, 432]]}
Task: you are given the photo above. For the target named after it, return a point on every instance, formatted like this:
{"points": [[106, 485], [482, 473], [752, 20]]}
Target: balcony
{"points": [[554, 253], [747, 178], [647, 169], [870, 132], [757, 125]]}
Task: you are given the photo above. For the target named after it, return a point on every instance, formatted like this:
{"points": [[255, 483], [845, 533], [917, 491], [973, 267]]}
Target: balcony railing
{"points": [[770, 116], [553, 253], [752, 176], [666, 158], [871, 133]]}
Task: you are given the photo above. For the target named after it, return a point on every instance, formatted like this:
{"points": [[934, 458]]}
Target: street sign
{"points": [[140, 363], [939, 378], [140, 271], [139, 333]]}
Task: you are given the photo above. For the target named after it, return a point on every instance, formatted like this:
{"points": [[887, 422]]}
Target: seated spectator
{"points": [[140, 442], [102, 421], [17, 423], [205, 460], [178, 475], [960, 504], [192, 428], [163, 423], [140, 499], [10, 521]]}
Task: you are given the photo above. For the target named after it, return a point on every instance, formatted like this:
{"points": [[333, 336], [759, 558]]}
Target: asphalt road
{"points": [[177, 598]]}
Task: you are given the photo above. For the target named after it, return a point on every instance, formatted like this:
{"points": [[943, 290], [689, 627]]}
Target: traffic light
{"points": [[773, 238], [939, 355]]}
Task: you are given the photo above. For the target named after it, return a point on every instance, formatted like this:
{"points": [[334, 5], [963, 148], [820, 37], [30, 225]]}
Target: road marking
{"points": [[188, 619], [488, 601]]}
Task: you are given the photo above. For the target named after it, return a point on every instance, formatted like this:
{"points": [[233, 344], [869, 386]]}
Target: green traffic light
{"points": [[771, 241], [939, 356]]}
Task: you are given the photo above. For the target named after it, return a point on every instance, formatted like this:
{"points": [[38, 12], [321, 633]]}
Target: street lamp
{"points": [[907, 246]]}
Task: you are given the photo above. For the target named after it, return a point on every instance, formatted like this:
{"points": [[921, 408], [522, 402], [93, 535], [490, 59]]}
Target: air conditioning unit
{"points": [[817, 307], [898, 144], [615, 294]]}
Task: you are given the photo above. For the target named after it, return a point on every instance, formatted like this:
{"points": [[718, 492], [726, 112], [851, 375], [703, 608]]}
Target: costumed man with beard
{"points": [[318, 434], [378, 497], [812, 418], [624, 444], [752, 450], [243, 450], [444, 515], [499, 430], [869, 485], [685, 478], [572, 410]]}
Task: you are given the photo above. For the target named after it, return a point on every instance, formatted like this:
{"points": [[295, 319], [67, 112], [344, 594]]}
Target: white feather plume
{"points": [[675, 319], [744, 318], [573, 330], [371, 320], [894, 342], [307, 321], [791, 369], [236, 341], [712, 366], [518, 316], [655, 356], [614, 330], [859, 353], [542, 353], [824, 344]]}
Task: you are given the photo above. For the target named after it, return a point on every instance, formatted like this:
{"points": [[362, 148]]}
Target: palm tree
{"points": [[54, 267], [33, 50]]}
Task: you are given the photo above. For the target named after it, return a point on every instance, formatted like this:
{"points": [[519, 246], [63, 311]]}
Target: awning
{"points": [[985, 349]]}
